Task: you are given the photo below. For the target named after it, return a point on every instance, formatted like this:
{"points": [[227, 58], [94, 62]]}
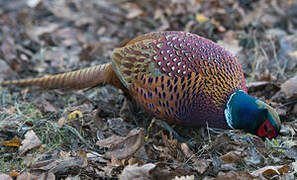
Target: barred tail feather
{"points": [[79, 79]]}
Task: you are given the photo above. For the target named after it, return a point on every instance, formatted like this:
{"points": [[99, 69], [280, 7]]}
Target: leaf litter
{"points": [[100, 133]]}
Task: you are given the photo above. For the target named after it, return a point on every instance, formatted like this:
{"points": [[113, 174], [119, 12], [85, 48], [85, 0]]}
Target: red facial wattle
{"points": [[267, 130]]}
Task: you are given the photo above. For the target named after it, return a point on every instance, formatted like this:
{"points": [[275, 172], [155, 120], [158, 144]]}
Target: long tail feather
{"points": [[84, 78]]}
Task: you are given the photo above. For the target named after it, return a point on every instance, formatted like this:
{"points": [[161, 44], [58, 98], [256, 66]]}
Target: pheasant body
{"points": [[179, 77]]}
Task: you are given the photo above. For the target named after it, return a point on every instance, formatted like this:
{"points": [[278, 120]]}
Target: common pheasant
{"points": [[179, 77]]}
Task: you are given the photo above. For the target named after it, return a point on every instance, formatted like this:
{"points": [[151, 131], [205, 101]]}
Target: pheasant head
{"points": [[252, 115]]}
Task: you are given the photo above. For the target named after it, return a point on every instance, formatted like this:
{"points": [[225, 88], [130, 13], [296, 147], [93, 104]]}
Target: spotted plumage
{"points": [[183, 77], [179, 77]]}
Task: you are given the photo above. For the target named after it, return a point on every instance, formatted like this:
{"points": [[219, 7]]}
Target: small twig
{"points": [[208, 133], [287, 103]]}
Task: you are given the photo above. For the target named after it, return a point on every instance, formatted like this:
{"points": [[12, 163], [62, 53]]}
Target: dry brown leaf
{"points": [[116, 162], [186, 150], [61, 6], [83, 155], [59, 165], [75, 114], [201, 18], [230, 42], [61, 122], [47, 176], [133, 10], [110, 141], [15, 142], [270, 171], [8, 48], [122, 148], [192, 177], [284, 169], [35, 31], [290, 87], [159, 15], [5, 71], [14, 173], [132, 161], [201, 165], [218, 25], [234, 175], [31, 141], [231, 157], [5, 176], [26, 176], [137, 172], [96, 157], [46, 106]]}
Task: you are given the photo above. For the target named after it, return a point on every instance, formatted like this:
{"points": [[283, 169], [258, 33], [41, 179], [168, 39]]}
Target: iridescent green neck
{"points": [[243, 112]]}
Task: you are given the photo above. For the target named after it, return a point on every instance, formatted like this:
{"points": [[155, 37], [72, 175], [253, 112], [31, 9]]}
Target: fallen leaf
{"points": [[284, 169], [33, 3], [258, 85], [110, 141], [192, 177], [186, 150], [231, 157], [96, 157], [132, 161], [270, 171], [201, 165], [61, 6], [126, 147], [5, 70], [218, 25], [75, 114], [116, 162], [47, 176], [26, 176], [137, 172], [234, 175], [14, 173], [8, 48], [230, 42], [83, 155], [292, 153], [293, 54], [61, 122], [289, 88], [294, 164], [201, 18], [133, 10], [159, 15], [46, 106], [5, 176], [15, 142], [34, 32], [31, 141], [58, 165]]}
